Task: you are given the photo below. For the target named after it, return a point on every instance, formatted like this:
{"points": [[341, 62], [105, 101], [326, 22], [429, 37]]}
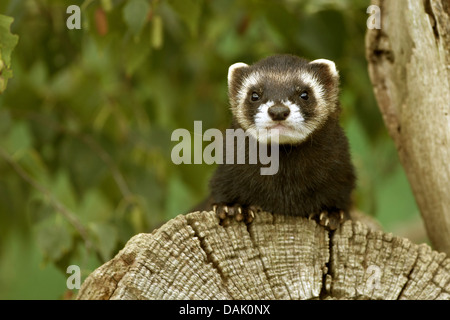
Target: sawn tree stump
{"points": [[275, 257]]}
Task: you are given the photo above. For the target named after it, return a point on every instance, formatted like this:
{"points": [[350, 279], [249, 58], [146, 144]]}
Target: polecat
{"points": [[315, 177]]}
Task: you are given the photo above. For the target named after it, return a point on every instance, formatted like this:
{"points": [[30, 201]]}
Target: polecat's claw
{"points": [[255, 209], [341, 216], [221, 211], [330, 219], [239, 216], [237, 212]]}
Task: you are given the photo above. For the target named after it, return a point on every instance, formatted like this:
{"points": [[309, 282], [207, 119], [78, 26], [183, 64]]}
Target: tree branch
{"points": [[409, 65]]}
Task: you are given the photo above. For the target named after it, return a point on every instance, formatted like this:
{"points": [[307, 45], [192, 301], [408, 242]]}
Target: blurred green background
{"points": [[86, 120]]}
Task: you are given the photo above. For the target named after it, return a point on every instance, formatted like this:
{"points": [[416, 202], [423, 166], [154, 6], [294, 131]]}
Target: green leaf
{"points": [[157, 32], [5, 121], [189, 12], [62, 189], [18, 139], [105, 237], [330, 25], [136, 54], [137, 219], [94, 207], [7, 43], [54, 240], [107, 5], [135, 15], [179, 197], [39, 210]]}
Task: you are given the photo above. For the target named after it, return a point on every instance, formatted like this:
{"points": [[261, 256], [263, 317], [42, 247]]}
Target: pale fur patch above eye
{"points": [[249, 82], [317, 88]]}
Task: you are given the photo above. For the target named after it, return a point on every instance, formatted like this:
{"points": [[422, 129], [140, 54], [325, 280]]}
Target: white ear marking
{"points": [[331, 65], [233, 68]]}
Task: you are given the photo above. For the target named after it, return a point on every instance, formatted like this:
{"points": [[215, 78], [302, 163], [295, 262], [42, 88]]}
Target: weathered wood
{"points": [[409, 65], [275, 257]]}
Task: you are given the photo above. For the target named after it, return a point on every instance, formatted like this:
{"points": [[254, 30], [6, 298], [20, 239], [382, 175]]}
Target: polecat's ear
{"points": [[329, 64], [234, 69]]}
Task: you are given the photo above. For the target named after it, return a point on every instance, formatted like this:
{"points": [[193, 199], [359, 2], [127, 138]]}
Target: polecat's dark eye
{"points": [[255, 96], [304, 95]]}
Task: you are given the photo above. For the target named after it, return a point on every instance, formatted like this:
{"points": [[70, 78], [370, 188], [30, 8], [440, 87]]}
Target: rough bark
{"points": [[275, 257], [409, 65]]}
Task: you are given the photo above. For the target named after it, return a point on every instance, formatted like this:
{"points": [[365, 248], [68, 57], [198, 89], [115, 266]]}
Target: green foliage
{"points": [[7, 43], [86, 121]]}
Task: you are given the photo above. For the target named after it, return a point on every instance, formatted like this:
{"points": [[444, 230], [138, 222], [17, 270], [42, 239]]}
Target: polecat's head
{"points": [[284, 92]]}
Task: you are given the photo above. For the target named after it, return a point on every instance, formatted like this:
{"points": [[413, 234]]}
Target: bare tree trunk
{"points": [[409, 65], [275, 257]]}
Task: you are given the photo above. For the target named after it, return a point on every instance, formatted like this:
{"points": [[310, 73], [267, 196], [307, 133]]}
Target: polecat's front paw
{"points": [[330, 219], [225, 212]]}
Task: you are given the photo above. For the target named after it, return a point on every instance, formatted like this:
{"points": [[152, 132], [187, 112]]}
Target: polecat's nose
{"points": [[279, 113]]}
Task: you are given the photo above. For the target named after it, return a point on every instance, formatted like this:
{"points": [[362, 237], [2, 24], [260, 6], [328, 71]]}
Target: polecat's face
{"points": [[283, 92]]}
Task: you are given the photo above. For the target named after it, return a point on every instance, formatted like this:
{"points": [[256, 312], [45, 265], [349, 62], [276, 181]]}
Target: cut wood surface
{"points": [[409, 66], [275, 257]]}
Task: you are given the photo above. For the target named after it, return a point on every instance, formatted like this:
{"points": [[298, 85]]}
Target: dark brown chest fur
{"points": [[313, 176]]}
